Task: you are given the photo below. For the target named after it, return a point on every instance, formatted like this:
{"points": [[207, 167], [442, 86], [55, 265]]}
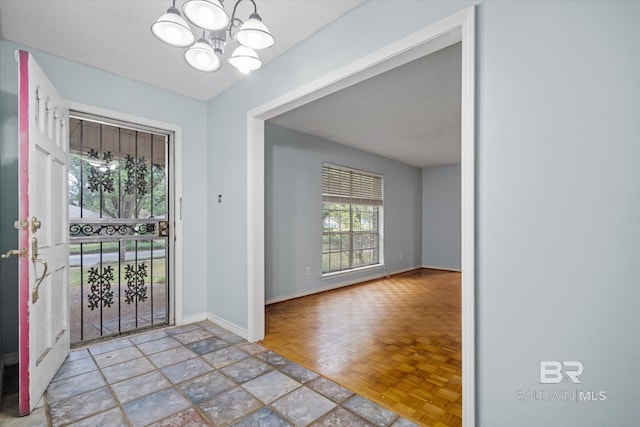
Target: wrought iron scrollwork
{"points": [[135, 275], [101, 292], [130, 229], [100, 176], [136, 175]]}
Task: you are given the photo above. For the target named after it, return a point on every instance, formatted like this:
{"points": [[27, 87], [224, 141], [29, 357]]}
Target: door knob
{"points": [[34, 291], [19, 252], [35, 260], [35, 224]]}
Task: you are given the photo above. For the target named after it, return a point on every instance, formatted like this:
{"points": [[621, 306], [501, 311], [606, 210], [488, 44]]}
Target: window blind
{"points": [[342, 185]]}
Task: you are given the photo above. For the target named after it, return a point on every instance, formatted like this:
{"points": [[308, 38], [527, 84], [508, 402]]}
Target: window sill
{"points": [[352, 271]]}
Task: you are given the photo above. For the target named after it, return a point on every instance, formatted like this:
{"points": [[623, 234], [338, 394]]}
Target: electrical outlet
{"points": [[401, 255], [308, 271]]}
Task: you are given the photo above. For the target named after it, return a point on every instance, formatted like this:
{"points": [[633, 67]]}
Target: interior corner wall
{"points": [[293, 212], [332, 47], [441, 220], [91, 86]]}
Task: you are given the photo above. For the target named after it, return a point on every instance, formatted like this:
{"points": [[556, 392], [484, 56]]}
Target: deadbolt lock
{"points": [[21, 225], [163, 228]]}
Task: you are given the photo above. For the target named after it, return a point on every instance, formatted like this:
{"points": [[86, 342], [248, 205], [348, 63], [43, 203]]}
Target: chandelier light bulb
{"points": [[245, 59], [171, 28], [202, 60], [206, 14], [173, 33], [202, 57], [254, 34]]}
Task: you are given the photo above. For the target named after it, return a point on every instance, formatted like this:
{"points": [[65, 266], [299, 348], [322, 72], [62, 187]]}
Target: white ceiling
{"points": [[115, 35], [410, 114]]}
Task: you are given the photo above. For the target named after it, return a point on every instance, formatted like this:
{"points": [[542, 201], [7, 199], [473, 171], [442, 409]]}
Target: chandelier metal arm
{"points": [[235, 7], [234, 23], [209, 16], [237, 22]]}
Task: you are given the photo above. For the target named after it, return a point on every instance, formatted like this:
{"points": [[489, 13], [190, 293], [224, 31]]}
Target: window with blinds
{"points": [[351, 211]]}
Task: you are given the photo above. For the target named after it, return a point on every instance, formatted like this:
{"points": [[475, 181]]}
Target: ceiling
{"points": [[115, 35], [410, 114]]}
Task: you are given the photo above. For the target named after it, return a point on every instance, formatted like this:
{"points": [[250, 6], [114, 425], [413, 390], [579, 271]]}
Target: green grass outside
{"points": [[94, 248], [157, 277]]}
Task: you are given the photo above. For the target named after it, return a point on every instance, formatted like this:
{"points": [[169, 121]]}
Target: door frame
{"points": [[175, 196], [457, 27]]}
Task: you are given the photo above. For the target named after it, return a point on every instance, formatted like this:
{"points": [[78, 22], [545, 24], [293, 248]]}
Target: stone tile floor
{"points": [[193, 375]]}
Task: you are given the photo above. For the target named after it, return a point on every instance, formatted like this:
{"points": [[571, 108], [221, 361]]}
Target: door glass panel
{"points": [[118, 212]]}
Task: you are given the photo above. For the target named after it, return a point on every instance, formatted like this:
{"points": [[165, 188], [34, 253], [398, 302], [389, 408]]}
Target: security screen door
{"points": [[118, 228]]}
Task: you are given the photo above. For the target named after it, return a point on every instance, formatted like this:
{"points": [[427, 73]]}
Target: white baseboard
{"points": [[224, 324], [192, 318], [432, 267], [11, 358], [337, 285], [406, 270], [231, 327]]}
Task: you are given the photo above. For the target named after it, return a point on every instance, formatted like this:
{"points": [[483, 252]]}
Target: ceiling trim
{"points": [[409, 114], [354, 73]]}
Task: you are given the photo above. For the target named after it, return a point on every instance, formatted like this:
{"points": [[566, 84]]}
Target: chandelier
{"points": [[209, 17]]}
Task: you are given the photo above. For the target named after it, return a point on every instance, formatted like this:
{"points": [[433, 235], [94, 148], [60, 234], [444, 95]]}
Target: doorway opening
{"points": [[119, 227], [459, 27]]}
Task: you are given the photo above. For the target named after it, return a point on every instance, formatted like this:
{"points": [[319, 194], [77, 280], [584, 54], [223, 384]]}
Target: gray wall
{"points": [[558, 191], [8, 180], [293, 211], [8, 198], [558, 203], [91, 86], [441, 223]]}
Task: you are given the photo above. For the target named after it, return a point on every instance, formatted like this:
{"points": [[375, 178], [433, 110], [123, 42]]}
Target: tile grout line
{"points": [[236, 384], [397, 416], [156, 369], [175, 385], [115, 398], [113, 394], [195, 406]]}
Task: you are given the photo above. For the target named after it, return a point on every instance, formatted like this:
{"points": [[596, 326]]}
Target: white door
{"points": [[43, 215]]}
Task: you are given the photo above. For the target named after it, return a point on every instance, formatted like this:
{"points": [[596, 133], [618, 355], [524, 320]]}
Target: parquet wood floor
{"points": [[396, 341]]}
